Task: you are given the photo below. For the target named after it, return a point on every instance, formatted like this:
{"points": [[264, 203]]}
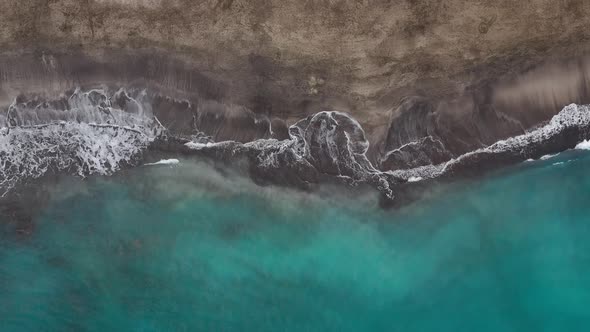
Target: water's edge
{"points": [[94, 132]]}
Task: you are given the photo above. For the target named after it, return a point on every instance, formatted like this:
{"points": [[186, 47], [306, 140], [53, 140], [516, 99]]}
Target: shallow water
{"points": [[187, 248]]}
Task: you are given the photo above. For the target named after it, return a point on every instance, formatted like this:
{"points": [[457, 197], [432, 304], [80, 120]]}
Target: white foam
{"points": [[413, 143], [87, 135], [585, 145], [571, 116], [563, 162], [548, 156], [165, 162], [78, 148], [93, 106], [339, 137], [199, 146], [320, 130]]}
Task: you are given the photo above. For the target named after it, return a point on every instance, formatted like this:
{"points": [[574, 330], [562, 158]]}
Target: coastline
{"points": [[327, 147]]}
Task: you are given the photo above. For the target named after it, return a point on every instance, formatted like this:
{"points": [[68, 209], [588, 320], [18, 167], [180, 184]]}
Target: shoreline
{"points": [[328, 147]]}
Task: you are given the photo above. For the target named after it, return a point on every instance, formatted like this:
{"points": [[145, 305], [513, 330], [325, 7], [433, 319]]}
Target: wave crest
{"points": [[78, 148], [85, 133]]}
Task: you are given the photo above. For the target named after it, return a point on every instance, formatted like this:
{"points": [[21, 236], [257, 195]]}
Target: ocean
{"points": [[189, 247]]}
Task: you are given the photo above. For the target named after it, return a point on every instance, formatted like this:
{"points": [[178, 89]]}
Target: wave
{"points": [[584, 145], [97, 132], [332, 143], [548, 156], [164, 162], [324, 146], [562, 132], [82, 134], [93, 106], [75, 148]]}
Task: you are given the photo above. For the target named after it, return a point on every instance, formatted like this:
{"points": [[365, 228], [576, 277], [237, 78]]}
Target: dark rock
{"points": [[425, 151]]}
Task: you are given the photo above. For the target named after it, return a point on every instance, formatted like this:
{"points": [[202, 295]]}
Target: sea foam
{"points": [[165, 162], [77, 148], [584, 145], [84, 134], [548, 156]]}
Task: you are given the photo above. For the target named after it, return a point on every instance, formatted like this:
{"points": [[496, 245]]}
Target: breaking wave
{"points": [[98, 132], [83, 134], [164, 162], [562, 132], [324, 145], [584, 145]]}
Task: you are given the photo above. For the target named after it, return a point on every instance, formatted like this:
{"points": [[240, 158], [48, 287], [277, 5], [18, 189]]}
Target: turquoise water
{"points": [[187, 248]]}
